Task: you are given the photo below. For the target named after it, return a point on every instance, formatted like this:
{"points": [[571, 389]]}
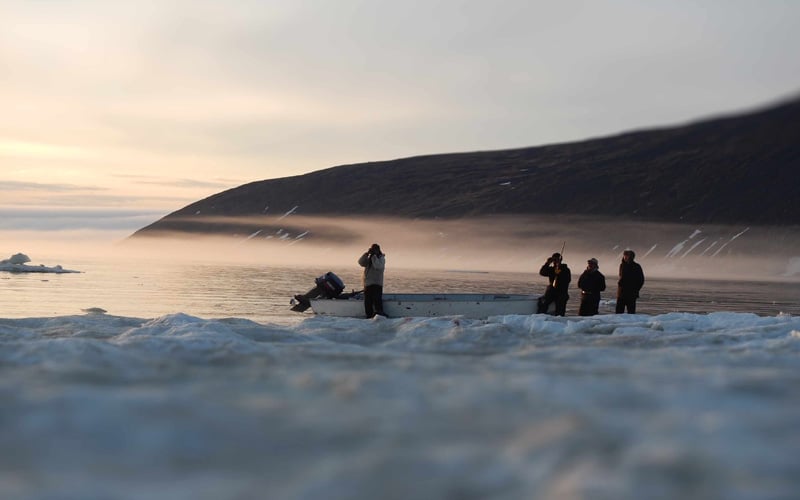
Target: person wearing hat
{"points": [[558, 276], [631, 280], [591, 283], [374, 262]]}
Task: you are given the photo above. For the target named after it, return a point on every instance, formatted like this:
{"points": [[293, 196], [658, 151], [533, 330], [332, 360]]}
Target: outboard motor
{"points": [[328, 285]]}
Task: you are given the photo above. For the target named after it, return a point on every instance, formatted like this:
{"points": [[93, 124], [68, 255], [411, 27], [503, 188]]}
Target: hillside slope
{"points": [[733, 170]]}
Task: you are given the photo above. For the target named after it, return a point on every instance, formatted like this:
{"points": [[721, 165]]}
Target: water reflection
{"points": [[262, 293]]}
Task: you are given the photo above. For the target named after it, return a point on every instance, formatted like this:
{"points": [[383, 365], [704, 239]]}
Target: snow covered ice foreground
{"points": [[676, 405]]}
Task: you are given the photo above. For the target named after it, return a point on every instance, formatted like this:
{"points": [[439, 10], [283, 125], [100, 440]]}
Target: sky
{"points": [[116, 113]]}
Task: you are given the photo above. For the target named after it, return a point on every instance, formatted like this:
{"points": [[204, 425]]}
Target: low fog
{"points": [[514, 244]]}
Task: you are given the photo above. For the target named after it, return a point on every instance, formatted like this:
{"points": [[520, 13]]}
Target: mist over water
{"points": [[504, 243], [251, 275], [244, 273]]}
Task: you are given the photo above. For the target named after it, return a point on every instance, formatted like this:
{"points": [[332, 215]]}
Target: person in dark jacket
{"points": [[374, 262], [558, 276], [631, 280], [591, 283]]}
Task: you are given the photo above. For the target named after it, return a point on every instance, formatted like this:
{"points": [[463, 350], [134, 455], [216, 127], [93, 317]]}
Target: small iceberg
{"points": [[18, 263]]}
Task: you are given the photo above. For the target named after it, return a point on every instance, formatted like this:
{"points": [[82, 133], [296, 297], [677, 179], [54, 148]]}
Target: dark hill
{"points": [[733, 170]]}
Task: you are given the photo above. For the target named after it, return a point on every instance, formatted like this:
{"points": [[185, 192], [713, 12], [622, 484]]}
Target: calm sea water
{"points": [[150, 289]]}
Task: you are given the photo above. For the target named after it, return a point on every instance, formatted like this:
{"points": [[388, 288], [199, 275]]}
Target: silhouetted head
{"points": [[556, 257], [375, 249], [593, 263], [630, 254]]}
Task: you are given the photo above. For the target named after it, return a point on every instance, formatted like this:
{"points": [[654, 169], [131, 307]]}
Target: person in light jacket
{"points": [[374, 262], [591, 283]]}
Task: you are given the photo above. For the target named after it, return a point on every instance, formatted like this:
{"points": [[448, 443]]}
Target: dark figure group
{"points": [[591, 283], [554, 301]]}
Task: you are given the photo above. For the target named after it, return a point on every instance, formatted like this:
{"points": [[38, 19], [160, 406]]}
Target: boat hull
{"points": [[396, 305]]}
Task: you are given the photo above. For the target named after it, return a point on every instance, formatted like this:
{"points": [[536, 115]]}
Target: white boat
{"points": [[470, 305]]}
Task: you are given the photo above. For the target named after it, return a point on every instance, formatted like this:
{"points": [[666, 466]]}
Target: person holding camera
{"points": [[374, 262], [559, 276]]}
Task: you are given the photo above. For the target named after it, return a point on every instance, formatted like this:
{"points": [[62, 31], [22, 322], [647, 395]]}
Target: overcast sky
{"points": [[140, 107]]}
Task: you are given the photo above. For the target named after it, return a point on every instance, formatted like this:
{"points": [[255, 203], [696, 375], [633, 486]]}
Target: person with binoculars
{"points": [[559, 276], [374, 262]]}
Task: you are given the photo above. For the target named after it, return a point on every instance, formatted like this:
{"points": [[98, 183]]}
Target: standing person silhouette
{"points": [[374, 262], [591, 283], [631, 280], [558, 276]]}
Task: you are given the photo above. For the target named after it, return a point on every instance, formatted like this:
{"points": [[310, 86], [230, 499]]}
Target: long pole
{"points": [[558, 265]]}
